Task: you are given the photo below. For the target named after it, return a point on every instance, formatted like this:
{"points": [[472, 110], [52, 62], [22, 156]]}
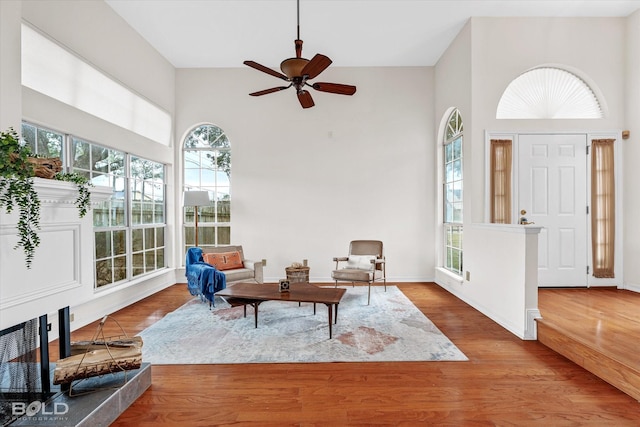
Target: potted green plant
{"points": [[17, 190]]}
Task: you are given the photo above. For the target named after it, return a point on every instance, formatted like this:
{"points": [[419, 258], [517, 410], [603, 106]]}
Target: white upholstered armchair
{"points": [[365, 263]]}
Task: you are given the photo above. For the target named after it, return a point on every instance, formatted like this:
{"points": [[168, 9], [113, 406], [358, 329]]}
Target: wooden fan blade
{"points": [[334, 88], [266, 91], [305, 99], [267, 70], [318, 64]]}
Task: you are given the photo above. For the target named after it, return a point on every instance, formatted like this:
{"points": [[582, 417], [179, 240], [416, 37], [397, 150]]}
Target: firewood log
{"points": [[99, 359], [79, 347]]}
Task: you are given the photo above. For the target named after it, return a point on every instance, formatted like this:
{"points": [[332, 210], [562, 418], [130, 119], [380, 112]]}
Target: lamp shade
{"points": [[196, 198]]}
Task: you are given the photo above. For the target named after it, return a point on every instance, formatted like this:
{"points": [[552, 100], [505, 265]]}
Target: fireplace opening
{"points": [[25, 381]]}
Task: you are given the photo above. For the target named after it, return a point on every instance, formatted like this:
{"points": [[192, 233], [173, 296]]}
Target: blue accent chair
{"points": [[203, 279]]}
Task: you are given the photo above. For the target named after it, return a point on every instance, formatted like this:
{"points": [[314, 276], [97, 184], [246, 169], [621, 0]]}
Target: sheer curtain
{"points": [[603, 207], [500, 181]]}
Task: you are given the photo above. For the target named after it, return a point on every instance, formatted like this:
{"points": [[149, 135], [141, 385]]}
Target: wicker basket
{"points": [[297, 275]]}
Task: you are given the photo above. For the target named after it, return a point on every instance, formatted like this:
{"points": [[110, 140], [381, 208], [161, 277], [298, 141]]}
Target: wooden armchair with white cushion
{"points": [[365, 263]]}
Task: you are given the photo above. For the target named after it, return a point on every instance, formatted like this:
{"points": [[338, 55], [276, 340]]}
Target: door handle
{"points": [[523, 220]]}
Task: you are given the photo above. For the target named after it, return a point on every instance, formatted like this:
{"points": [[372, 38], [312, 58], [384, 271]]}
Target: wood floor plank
{"points": [[597, 329], [506, 381]]}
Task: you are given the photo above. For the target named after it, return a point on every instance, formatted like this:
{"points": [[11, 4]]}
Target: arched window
{"points": [[548, 93], [452, 209], [207, 167]]}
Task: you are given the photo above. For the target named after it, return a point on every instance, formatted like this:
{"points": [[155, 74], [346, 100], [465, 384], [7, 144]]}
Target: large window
{"points": [[207, 167], [106, 167], [453, 192], [43, 142], [147, 215], [129, 227]]}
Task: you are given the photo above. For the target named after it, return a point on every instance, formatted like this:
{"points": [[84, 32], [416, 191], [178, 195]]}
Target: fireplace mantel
{"points": [[62, 270], [52, 191]]}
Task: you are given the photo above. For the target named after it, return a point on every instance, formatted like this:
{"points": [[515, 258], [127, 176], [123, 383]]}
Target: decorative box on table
{"points": [[298, 274]]}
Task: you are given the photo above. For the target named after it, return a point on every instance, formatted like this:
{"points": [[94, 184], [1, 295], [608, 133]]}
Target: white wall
{"points": [[94, 32], [453, 89], [98, 35], [10, 102], [503, 275], [631, 149], [505, 47], [306, 182], [495, 51], [61, 272]]}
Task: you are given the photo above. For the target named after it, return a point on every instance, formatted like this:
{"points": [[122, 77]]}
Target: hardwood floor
{"points": [[597, 328], [506, 381]]}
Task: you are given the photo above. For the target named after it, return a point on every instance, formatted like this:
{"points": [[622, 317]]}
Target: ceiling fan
{"points": [[298, 71]]}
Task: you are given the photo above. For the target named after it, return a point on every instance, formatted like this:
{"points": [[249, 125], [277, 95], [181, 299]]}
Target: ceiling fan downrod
{"points": [[298, 42]]}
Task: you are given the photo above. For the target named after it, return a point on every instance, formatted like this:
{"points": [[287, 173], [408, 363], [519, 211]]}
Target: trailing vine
{"points": [[20, 192], [83, 202], [17, 191], [13, 156]]}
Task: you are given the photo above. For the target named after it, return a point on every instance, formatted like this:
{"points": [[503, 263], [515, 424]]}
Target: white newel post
{"points": [[62, 272], [531, 282]]}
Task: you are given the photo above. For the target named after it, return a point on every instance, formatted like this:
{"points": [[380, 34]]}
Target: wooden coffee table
{"points": [[254, 294]]}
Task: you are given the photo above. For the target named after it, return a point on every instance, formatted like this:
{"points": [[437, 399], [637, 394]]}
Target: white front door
{"points": [[552, 189]]}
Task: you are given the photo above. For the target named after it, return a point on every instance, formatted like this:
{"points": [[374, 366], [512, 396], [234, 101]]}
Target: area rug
{"points": [[390, 329]]}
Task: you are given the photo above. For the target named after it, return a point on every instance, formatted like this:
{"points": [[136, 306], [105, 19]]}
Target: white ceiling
{"points": [[353, 33]]}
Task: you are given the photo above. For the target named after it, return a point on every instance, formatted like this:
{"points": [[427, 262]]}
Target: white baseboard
{"points": [[523, 335], [631, 287], [531, 328]]}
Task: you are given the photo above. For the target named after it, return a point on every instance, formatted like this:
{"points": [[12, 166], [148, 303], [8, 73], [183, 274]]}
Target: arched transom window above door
{"points": [[549, 93]]}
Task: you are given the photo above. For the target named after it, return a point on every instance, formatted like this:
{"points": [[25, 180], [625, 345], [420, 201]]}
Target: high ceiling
{"points": [[353, 33]]}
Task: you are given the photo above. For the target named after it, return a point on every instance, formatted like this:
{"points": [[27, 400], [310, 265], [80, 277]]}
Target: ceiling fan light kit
{"points": [[297, 71], [293, 67]]}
